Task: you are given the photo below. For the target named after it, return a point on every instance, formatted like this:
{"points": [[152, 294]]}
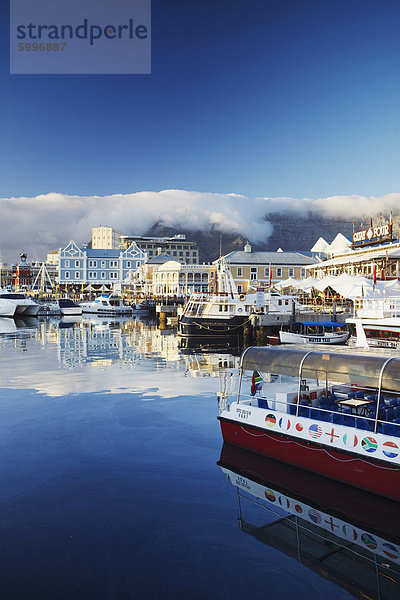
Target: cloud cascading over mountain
{"points": [[49, 221]]}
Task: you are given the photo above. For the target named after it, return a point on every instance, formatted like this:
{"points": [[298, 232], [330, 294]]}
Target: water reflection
{"points": [[345, 535]]}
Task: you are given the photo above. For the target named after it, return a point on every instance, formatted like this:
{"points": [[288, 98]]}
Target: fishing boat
{"points": [[106, 304], [345, 535], [314, 333], [226, 311], [334, 413]]}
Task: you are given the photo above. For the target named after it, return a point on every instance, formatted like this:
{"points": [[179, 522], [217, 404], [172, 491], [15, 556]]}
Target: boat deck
{"points": [[341, 405]]}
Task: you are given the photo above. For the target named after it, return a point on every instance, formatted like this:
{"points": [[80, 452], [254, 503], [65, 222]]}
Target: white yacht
{"points": [[62, 306], [22, 304], [106, 304]]}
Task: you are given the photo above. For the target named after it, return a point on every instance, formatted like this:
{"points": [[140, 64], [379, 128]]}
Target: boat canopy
{"points": [[339, 367], [326, 324]]}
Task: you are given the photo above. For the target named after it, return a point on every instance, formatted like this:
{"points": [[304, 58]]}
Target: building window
{"points": [[77, 275], [239, 289], [113, 275], [92, 275], [66, 274], [77, 263], [128, 264], [67, 263], [266, 272], [239, 272], [303, 272], [253, 273], [103, 264], [291, 272], [103, 275], [113, 264], [92, 263], [279, 272]]}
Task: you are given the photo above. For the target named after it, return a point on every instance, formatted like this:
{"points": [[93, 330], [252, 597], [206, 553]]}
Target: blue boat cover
{"points": [[327, 324]]}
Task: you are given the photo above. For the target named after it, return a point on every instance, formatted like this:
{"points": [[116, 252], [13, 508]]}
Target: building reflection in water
{"points": [[345, 535], [106, 341]]}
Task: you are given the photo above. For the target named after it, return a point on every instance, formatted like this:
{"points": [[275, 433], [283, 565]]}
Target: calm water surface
{"points": [[110, 487]]}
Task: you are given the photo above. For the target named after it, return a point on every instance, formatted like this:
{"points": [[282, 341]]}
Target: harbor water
{"points": [[110, 487]]}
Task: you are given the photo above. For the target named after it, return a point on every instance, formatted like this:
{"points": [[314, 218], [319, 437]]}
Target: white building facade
{"points": [[97, 266]]}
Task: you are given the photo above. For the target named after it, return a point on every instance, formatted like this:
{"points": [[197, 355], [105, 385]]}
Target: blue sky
{"points": [[261, 98]]}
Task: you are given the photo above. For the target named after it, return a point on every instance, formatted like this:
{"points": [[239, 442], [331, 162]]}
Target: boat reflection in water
{"points": [[345, 535], [20, 328]]}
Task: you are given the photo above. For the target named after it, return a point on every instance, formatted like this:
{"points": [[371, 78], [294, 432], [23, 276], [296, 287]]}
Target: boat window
{"points": [[65, 302], [220, 308], [200, 310], [104, 303], [13, 296]]}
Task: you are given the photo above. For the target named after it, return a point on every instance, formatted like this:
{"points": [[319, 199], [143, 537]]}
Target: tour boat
{"points": [[314, 333], [340, 417], [226, 311], [106, 304], [22, 304], [345, 535]]}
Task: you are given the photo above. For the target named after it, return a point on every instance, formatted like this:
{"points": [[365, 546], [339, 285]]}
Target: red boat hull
{"points": [[373, 476]]}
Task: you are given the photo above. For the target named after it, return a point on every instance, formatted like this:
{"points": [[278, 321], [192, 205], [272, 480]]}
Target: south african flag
{"points": [[256, 382]]}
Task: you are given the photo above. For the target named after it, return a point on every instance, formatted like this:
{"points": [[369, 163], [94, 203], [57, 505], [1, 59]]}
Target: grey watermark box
{"points": [[80, 36]]}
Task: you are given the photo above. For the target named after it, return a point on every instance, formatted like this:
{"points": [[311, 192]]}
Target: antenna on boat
{"points": [[220, 245]]}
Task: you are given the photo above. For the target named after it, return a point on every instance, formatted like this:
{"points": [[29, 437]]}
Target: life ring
{"points": [[242, 297]]}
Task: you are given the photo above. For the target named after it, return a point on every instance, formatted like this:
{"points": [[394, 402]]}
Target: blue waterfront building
{"points": [[98, 266]]}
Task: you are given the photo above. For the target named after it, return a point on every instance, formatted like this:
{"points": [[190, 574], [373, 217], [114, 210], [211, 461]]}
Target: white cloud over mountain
{"points": [[49, 221]]}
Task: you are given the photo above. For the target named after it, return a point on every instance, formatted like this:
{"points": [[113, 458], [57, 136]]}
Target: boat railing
{"points": [[379, 308], [334, 414]]}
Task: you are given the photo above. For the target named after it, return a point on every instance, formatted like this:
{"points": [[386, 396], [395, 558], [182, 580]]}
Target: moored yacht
{"points": [[22, 304], [106, 304], [62, 306]]}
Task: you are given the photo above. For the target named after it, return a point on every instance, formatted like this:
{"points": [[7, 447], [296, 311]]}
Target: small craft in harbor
{"points": [[314, 333]]}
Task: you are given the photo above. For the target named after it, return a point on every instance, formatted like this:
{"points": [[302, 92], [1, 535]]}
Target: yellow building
{"points": [[251, 270]]}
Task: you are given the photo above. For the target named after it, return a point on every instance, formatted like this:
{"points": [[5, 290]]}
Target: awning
{"points": [[341, 367]]}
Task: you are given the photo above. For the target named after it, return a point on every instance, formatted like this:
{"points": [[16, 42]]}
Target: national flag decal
{"points": [[350, 440], [315, 431], [314, 516], [369, 541], [270, 420], [269, 494], [369, 444], [284, 423], [390, 550], [390, 449]]}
